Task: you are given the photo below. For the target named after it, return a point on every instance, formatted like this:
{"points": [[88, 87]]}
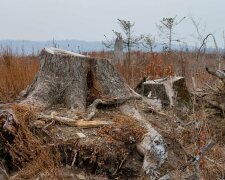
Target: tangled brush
{"points": [[26, 151]]}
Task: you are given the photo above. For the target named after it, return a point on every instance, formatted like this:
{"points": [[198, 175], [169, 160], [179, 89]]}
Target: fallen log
{"points": [[195, 161]]}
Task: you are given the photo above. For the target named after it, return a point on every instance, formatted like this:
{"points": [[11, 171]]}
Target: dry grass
{"points": [[28, 153], [17, 72], [120, 131], [159, 65]]}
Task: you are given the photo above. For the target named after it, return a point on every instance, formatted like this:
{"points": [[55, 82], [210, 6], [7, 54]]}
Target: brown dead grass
{"points": [[16, 73], [159, 65], [28, 153]]}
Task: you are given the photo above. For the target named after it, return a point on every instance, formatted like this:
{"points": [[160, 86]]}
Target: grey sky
{"points": [[90, 19]]}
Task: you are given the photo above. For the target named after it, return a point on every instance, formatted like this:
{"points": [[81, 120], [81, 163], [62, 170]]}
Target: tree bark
{"points": [[74, 80]]}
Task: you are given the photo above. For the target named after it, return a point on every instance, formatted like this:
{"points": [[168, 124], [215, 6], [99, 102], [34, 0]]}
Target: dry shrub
{"points": [[194, 137], [17, 72], [28, 152], [215, 163]]}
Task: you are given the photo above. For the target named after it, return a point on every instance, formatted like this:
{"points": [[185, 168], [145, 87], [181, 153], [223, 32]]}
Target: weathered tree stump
{"points": [[82, 83], [167, 90], [74, 80]]}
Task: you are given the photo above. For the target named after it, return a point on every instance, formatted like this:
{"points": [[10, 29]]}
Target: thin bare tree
{"points": [[149, 42], [129, 39], [167, 30]]}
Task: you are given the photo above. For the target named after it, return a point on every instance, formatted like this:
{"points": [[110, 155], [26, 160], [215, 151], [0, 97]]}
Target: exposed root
{"points": [[27, 152], [152, 147]]}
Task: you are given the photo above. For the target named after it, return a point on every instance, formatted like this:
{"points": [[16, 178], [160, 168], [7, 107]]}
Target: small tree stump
{"points": [[166, 90]]}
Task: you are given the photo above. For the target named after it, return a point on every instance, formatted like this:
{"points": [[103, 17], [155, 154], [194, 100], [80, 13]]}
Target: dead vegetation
{"points": [[34, 150], [17, 72], [22, 149], [37, 146]]}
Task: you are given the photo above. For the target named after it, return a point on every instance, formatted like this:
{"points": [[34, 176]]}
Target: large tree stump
{"points": [[82, 83], [74, 80]]}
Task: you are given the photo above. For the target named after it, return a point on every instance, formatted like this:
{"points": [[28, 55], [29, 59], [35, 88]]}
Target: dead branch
{"points": [[214, 162], [93, 108], [76, 123], [4, 105], [165, 177], [74, 158], [197, 158], [211, 88]]}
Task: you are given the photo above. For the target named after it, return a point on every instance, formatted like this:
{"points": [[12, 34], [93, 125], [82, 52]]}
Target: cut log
{"points": [[166, 90]]}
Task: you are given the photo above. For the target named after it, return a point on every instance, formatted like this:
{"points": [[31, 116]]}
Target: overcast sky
{"points": [[90, 19]]}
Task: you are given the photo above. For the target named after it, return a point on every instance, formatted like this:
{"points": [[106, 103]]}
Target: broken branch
{"points": [[197, 158], [76, 123]]}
